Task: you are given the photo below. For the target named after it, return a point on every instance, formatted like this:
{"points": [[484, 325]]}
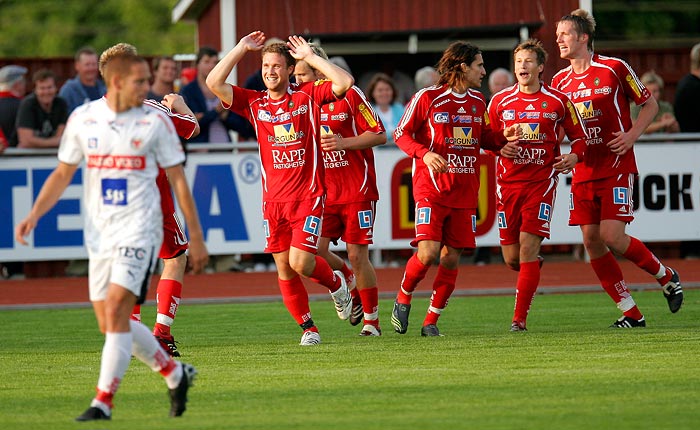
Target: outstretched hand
{"points": [[254, 41], [299, 47]]}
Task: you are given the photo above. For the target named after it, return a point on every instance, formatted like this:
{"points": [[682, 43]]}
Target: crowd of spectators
{"points": [[37, 119]]}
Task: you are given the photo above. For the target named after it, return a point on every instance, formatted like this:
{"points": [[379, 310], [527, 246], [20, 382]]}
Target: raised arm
{"points": [[216, 81], [341, 80]]}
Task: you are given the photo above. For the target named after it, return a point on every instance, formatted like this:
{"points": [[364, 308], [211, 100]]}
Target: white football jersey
{"points": [[122, 152]]}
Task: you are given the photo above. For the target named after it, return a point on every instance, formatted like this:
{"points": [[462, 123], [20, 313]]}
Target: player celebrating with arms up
{"points": [[527, 169], [286, 120], [601, 192], [349, 130]]}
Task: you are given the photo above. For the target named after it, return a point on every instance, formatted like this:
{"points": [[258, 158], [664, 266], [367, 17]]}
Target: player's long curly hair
{"points": [[583, 22], [450, 65]]}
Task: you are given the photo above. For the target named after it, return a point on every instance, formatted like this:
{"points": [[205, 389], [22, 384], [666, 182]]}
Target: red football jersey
{"points": [[287, 130], [602, 94], [541, 116], [455, 126], [350, 174]]}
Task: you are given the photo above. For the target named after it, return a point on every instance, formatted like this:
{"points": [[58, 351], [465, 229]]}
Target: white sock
{"points": [[116, 355], [148, 350]]}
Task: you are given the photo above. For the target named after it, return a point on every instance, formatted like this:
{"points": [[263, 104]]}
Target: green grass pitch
{"points": [[570, 371]]}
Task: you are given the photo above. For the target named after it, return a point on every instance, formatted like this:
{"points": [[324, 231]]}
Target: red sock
{"points": [[296, 299], [443, 286], [346, 271], [525, 289], [415, 272], [136, 313], [370, 305], [640, 255], [610, 275], [168, 296], [323, 274], [105, 397], [168, 367]]}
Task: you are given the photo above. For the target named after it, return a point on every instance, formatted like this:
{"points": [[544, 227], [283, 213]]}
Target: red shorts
{"points": [[296, 224], [174, 238], [525, 209], [351, 222], [607, 198], [454, 227]]}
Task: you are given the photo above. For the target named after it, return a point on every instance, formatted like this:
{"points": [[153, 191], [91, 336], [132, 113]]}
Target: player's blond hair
{"points": [[118, 60], [583, 23]]}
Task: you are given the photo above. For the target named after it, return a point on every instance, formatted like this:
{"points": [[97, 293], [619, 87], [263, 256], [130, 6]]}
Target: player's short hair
{"points": [[695, 57], [583, 23], [449, 67], [281, 49], [118, 60], [535, 46]]}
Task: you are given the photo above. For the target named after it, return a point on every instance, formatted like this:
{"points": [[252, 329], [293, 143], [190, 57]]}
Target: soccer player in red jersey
{"points": [[349, 130], [286, 120], [601, 192], [527, 169], [176, 249], [443, 129]]}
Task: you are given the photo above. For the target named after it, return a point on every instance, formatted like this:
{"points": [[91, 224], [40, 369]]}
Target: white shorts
{"points": [[130, 267]]}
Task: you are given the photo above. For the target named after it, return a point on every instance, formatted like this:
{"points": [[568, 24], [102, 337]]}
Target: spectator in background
{"points": [[381, 93], [426, 77], [664, 121], [12, 88], [87, 85], [688, 116], [214, 121], [688, 94], [500, 79], [42, 116], [164, 75]]}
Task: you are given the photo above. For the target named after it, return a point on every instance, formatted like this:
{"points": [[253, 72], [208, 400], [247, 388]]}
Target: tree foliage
{"points": [[57, 28]]}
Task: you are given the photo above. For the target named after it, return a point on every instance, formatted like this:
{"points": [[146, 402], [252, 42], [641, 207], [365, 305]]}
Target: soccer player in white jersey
{"points": [[601, 192], [286, 120], [122, 143], [528, 169], [349, 130]]}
